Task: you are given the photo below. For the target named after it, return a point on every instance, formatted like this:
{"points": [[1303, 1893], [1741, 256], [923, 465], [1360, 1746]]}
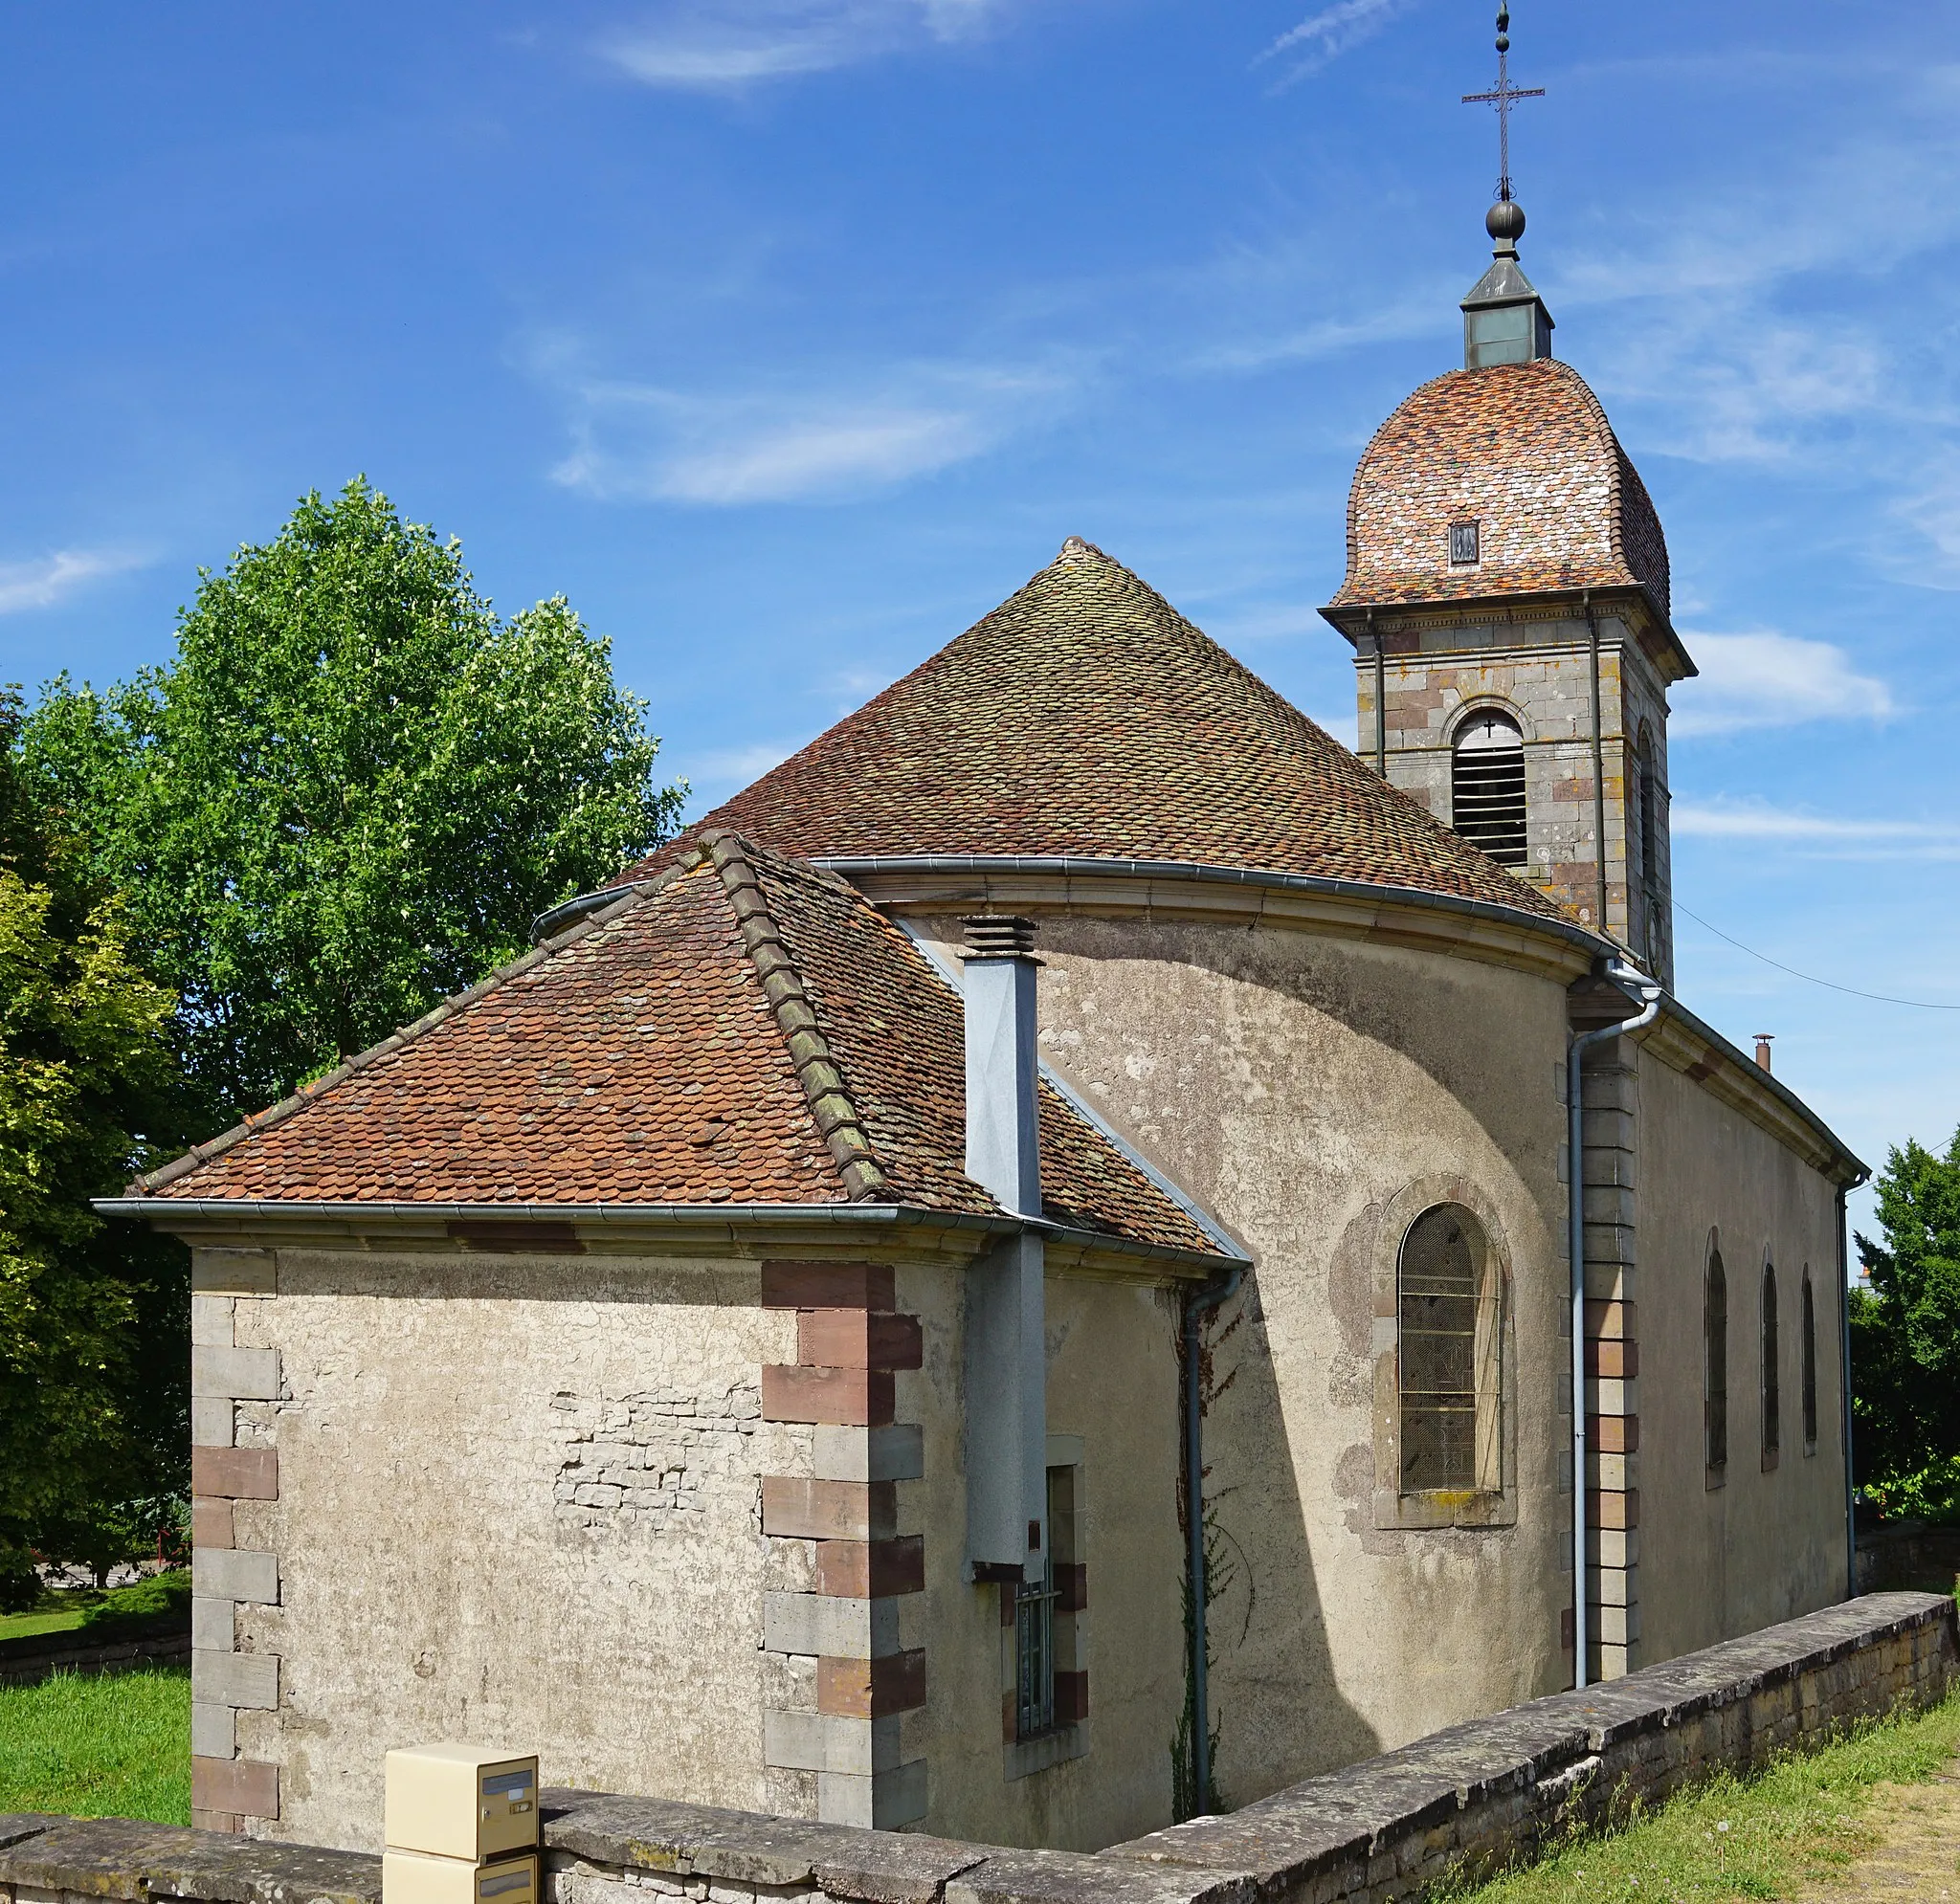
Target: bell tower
{"points": [[1506, 597]]}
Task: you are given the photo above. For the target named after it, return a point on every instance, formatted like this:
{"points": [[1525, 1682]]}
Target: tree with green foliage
{"points": [[350, 792], [94, 1406], [1906, 1339]]}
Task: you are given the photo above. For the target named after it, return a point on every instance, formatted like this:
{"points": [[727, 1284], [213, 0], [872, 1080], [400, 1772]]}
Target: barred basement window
{"points": [[1487, 785], [1715, 1368], [1448, 1301], [1051, 1686], [1810, 1367], [1772, 1413]]}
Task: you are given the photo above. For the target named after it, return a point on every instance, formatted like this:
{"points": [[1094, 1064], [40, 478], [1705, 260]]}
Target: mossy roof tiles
{"points": [[744, 1030], [1524, 450], [1085, 717]]}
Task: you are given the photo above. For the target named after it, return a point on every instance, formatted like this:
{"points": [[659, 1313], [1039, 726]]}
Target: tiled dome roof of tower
{"points": [[1524, 450], [1085, 717]]}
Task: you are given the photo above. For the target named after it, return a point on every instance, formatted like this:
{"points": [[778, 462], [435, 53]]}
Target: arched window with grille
{"points": [[1715, 1367], [1487, 785], [1449, 1313], [1772, 1397], [1810, 1365]]}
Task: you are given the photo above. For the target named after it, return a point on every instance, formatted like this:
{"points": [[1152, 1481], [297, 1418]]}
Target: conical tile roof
{"points": [[1085, 717]]}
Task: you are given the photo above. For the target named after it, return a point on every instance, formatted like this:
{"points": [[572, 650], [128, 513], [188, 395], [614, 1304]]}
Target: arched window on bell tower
{"points": [[1487, 785]]}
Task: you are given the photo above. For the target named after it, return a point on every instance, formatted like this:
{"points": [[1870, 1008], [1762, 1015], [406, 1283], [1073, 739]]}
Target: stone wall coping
{"points": [[1337, 1833], [126, 1858], [611, 1832], [1357, 1811]]}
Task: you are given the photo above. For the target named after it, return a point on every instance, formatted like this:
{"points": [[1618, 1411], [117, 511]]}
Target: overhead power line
{"points": [[1878, 997]]}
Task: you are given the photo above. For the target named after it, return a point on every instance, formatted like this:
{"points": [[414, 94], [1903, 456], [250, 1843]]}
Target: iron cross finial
{"points": [[1500, 97]]}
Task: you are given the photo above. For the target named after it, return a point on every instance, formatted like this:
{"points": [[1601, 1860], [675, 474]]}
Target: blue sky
{"points": [[785, 337]]}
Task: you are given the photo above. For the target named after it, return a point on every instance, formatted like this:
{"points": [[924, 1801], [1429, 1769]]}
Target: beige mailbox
{"points": [[416, 1877], [465, 1802]]}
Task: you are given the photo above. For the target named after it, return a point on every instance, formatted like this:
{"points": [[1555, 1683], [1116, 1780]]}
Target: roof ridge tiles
{"points": [[258, 1121], [823, 1083]]}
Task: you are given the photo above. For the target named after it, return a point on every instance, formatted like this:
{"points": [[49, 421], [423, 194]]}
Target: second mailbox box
{"points": [[460, 1802]]}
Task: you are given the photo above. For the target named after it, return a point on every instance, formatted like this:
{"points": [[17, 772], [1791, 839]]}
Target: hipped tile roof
{"points": [[1085, 717], [1525, 452], [742, 1030]]}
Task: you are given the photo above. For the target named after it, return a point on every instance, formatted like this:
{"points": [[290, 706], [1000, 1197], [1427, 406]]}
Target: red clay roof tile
{"points": [[1086, 717], [1525, 452], [745, 1029]]}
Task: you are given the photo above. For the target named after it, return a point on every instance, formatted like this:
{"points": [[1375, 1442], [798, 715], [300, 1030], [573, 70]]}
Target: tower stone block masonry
{"points": [[1439, 667]]}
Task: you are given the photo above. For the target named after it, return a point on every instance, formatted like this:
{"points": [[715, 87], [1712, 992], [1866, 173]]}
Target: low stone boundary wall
{"points": [[1478, 1794], [26, 1665]]}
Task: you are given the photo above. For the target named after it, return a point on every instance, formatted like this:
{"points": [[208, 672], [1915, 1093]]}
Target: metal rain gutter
{"points": [[1072, 865]]}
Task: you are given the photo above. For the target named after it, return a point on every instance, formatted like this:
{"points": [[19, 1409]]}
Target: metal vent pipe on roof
{"points": [[1006, 1310]]}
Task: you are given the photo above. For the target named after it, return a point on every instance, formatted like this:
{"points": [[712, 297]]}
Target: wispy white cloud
{"points": [[1327, 34], [703, 46], [42, 583], [643, 442], [714, 775], [1767, 679], [1757, 820]]}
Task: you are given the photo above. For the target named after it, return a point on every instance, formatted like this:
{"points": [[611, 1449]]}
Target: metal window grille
{"points": [[1772, 1412], [1715, 1339], [1487, 789], [1436, 1298], [1810, 1368], [1034, 1656]]}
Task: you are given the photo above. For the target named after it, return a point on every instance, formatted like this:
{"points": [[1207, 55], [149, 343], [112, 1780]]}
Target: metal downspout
{"points": [[1214, 1292], [1845, 1191], [1599, 768], [1634, 984]]}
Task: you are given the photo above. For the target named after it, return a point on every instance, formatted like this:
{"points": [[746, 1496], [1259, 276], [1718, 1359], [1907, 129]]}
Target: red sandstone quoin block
{"points": [[211, 1523], [1071, 1698], [871, 1569], [827, 1286], [236, 1473], [849, 1397], [1613, 1434], [866, 1689], [857, 1339], [246, 1786], [1613, 1512], [1613, 1362]]}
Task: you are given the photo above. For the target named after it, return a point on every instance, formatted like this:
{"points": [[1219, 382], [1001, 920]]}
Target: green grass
{"points": [[123, 1612], [99, 1745], [1803, 1818], [56, 1614]]}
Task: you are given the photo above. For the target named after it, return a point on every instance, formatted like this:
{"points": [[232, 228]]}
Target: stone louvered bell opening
{"points": [[1487, 786]]}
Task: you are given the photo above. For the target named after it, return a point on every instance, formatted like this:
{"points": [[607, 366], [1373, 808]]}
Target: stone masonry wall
{"points": [[1474, 1796]]}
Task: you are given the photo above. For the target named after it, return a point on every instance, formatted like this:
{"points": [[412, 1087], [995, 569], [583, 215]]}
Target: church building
{"points": [[1053, 1210]]}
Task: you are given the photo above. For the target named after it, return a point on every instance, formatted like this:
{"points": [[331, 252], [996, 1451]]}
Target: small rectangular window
{"points": [[1463, 543], [1050, 1687]]}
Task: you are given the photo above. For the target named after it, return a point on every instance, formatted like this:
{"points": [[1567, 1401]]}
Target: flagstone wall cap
{"points": [[1525, 452], [1086, 718]]}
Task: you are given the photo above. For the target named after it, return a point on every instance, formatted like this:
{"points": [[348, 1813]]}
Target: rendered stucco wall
{"points": [[1112, 1383], [1299, 1087], [1765, 1545], [518, 1500]]}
